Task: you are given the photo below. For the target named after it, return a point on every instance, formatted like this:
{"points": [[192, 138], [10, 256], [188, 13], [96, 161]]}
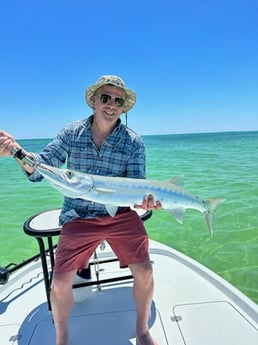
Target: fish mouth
{"points": [[50, 172], [46, 167], [56, 177], [55, 173]]}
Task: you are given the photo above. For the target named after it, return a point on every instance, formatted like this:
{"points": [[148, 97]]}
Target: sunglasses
{"points": [[105, 98]]}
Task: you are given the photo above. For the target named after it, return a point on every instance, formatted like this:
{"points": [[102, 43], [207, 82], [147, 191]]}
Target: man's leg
{"points": [[62, 302], [143, 293]]}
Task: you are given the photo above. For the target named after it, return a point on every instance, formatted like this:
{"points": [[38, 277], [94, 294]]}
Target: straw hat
{"points": [[130, 98]]}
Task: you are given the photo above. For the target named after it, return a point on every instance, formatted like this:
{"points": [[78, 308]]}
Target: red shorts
{"points": [[79, 239]]}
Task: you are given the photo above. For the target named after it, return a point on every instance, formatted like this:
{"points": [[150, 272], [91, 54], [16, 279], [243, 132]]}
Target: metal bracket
{"points": [[176, 318]]}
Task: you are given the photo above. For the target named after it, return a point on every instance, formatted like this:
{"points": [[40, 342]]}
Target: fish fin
{"points": [[178, 213], [104, 190], [177, 181], [209, 215], [111, 209]]}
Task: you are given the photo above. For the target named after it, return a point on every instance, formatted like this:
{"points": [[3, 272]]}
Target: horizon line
{"points": [[175, 133]]}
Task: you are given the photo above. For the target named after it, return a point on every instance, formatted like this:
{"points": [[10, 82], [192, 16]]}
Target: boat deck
{"points": [[191, 306]]}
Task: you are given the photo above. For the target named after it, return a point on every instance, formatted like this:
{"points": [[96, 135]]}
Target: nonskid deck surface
{"points": [[107, 317], [187, 308]]}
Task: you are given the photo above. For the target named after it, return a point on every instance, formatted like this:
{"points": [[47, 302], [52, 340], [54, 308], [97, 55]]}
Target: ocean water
{"points": [[223, 165]]}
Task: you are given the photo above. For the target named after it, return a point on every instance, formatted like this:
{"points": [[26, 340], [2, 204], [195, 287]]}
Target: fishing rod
{"points": [[19, 154]]}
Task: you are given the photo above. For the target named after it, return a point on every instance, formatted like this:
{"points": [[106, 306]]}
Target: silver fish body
{"points": [[121, 191]]}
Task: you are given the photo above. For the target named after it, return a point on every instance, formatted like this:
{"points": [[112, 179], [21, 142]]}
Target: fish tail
{"points": [[210, 213]]}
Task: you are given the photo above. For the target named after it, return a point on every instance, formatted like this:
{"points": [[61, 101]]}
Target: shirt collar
{"points": [[115, 137]]}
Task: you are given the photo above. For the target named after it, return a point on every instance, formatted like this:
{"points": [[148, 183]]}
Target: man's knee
{"points": [[142, 271], [62, 282]]}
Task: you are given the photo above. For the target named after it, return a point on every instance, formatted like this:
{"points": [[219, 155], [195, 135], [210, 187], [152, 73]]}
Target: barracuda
{"points": [[121, 191]]}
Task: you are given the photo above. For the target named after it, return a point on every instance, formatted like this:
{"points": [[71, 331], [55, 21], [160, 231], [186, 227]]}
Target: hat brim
{"points": [[129, 100]]}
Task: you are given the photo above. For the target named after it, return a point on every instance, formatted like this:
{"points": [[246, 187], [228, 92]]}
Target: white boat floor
{"points": [[191, 306], [90, 325]]}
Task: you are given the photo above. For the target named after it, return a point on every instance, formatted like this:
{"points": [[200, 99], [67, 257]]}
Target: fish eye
{"points": [[69, 174]]}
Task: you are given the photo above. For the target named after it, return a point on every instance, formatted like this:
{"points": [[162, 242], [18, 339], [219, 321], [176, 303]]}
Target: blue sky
{"points": [[193, 64]]}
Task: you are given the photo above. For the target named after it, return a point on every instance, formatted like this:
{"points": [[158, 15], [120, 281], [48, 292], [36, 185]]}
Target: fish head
{"points": [[70, 183]]}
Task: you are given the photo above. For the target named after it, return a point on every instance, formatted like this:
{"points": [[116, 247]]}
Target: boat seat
{"points": [[44, 226]]}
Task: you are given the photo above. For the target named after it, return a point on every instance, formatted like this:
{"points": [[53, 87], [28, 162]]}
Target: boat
{"points": [[191, 305]]}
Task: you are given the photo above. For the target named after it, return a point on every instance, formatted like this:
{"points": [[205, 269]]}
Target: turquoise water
{"points": [[221, 165]]}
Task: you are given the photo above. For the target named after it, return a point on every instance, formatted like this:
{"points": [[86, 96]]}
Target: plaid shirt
{"points": [[122, 154]]}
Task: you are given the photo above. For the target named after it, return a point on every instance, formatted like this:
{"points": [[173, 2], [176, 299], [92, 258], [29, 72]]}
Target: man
{"points": [[100, 145]]}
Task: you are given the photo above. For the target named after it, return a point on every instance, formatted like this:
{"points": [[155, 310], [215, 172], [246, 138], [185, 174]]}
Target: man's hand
{"points": [[7, 142], [149, 204]]}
